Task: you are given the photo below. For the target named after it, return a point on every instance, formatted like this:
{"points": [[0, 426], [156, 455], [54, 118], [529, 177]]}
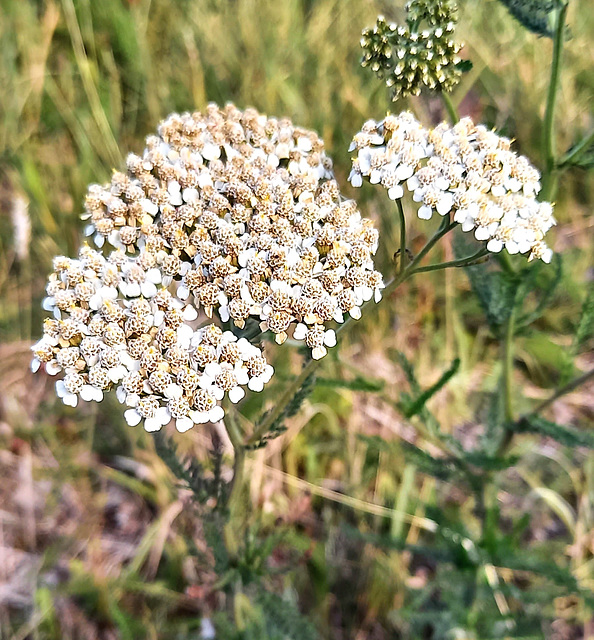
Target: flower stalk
{"points": [[549, 178]]}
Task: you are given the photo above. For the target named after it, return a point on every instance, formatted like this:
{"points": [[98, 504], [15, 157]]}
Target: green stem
{"points": [[450, 108], [235, 500], [264, 426], [574, 154], [549, 178], [445, 227], [462, 262], [507, 379], [402, 235]]}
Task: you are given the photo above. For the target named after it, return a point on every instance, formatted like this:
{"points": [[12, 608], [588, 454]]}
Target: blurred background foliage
{"points": [[96, 540]]}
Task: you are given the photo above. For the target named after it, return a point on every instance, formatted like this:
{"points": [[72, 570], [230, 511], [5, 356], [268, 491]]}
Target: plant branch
{"points": [[549, 177], [461, 262]]}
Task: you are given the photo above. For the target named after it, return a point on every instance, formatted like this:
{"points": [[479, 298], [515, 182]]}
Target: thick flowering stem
{"points": [[235, 502], [549, 178]]}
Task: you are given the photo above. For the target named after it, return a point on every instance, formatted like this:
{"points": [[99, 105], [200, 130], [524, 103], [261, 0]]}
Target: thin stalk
{"points": [[445, 227], [450, 108], [549, 178], [402, 235], [461, 262]]}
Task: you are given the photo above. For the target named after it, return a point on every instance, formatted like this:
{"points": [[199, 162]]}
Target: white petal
{"points": [[189, 313], [444, 204], [481, 233], [158, 318], [236, 394], [256, 384], [318, 352], [184, 335], [300, 331], [87, 393], [395, 192], [404, 172], [70, 399], [121, 395], [216, 413], [413, 183], [52, 368], [199, 417], [183, 424], [132, 417], [152, 424], [241, 375], [173, 391], [148, 289], [330, 338], [425, 212], [130, 289], [356, 179], [35, 364], [153, 275], [495, 245], [163, 415]]}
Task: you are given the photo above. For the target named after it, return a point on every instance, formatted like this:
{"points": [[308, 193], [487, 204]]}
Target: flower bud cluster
{"points": [[464, 170], [408, 58], [111, 330], [242, 212]]}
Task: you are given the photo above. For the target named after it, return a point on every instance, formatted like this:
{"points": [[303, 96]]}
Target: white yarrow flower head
{"points": [[225, 212], [464, 171]]}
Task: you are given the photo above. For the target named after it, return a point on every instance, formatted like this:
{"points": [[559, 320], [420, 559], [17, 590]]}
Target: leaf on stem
{"points": [[565, 435]]}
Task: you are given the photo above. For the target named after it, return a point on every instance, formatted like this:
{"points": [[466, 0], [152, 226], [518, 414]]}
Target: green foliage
{"points": [[585, 328], [537, 16], [565, 435], [542, 280], [192, 473], [413, 407], [496, 293], [292, 408], [265, 616]]}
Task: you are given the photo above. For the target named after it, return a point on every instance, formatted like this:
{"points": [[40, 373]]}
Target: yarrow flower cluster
{"points": [[243, 213], [144, 347], [409, 58], [226, 212], [464, 170]]}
